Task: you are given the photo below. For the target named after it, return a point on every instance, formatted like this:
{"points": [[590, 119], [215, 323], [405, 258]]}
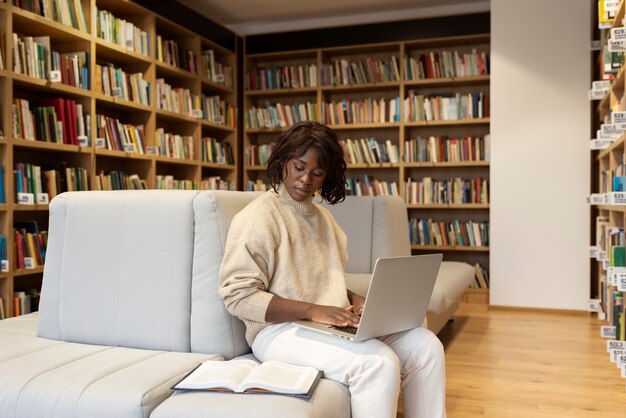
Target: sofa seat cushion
{"points": [[44, 377], [453, 279], [331, 399]]}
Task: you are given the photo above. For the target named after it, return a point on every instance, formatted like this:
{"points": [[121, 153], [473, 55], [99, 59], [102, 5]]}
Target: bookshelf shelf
{"points": [[217, 127], [389, 125], [109, 117], [220, 88], [388, 85], [282, 92], [447, 164], [448, 206], [30, 208], [26, 82], [481, 121], [112, 52], [49, 146], [27, 272], [447, 81]]}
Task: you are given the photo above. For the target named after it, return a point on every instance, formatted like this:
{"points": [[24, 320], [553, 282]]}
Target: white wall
{"points": [[540, 128]]}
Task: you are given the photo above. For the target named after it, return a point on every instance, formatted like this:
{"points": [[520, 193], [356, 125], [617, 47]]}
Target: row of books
{"points": [[256, 155], [212, 70], [371, 70], [115, 82], [114, 135], [370, 110], [31, 244], [169, 52], [66, 12], [58, 120], [176, 99], [256, 186], [34, 57], [24, 302], [442, 64], [455, 233], [436, 149], [205, 65], [218, 111], [442, 192], [50, 180], [481, 277], [370, 186], [217, 183], [277, 115], [119, 180], [174, 145], [215, 151], [418, 107], [168, 182], [122, 32], [281, 77], [369, 150]]}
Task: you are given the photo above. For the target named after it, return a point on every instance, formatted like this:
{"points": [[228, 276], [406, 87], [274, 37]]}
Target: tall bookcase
{"points": [[271, 93], [94, 154]]}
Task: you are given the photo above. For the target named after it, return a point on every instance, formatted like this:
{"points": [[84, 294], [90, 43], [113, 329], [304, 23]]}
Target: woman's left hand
{"points": [[358, 302]]}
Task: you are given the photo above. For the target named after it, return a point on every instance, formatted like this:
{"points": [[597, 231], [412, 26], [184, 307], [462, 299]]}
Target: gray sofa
{"points": [[129, 305]]}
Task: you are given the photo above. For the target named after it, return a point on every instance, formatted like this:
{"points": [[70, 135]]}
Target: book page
{"points": [[281, 378], [218, 374]]}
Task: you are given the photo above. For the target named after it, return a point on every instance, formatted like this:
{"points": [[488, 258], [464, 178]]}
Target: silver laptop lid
{"points": [[398, 295]]}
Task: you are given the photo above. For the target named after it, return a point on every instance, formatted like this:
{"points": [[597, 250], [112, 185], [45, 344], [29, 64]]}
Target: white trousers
{"points": [[374, 370]]}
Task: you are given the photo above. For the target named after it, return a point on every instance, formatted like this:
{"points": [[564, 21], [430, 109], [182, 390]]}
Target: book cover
{"points": [[248, 376]]}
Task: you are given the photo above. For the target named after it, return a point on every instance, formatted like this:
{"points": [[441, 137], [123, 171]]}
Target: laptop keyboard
{"points": [[349, 330]]}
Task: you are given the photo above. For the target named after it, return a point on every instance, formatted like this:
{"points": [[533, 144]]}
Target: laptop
{"points": [[397, 298]]}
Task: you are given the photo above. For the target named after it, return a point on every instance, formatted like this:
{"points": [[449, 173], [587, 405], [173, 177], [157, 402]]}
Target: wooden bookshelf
{"points": [[94, 157], [608, 216], [260, 93]]}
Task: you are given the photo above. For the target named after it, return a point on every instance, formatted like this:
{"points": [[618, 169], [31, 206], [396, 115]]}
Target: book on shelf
{"points": [[67, 12], [122, 32], [248, 376], [481, 277], [371, 70], [444, 64], [281, 77], [3, 53]]}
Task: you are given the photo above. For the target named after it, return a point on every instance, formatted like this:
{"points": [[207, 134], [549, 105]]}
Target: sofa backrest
{"points": [[376, 227], [213, 329], [118, 269], [139, 269]]}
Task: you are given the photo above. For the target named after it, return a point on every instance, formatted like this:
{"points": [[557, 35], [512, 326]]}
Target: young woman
{"points": [[284, 261]]}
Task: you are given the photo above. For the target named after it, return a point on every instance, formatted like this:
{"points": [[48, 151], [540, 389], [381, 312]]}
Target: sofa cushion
{"points": [[213, 329], [104, 285], [354, 215], [330, 399], [453, 278], [43, 377], [375, 226]]}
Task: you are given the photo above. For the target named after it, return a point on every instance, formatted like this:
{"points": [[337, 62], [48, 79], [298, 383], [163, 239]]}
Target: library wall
{"points": [[540, 155]]}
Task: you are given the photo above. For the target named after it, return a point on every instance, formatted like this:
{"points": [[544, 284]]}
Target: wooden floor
{"points": [[514, 364]]}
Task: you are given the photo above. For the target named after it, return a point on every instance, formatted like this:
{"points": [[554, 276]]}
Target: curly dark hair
{"points": [[295, 142]]}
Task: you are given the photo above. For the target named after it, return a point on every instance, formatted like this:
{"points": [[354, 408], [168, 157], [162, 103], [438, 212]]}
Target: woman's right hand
{"points": [[334, 315]]}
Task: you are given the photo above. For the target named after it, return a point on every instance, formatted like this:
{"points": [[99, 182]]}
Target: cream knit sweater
{"points": [[277, 246]]}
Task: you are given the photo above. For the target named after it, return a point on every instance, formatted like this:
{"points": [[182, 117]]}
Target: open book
{"points": [[247, 376]]}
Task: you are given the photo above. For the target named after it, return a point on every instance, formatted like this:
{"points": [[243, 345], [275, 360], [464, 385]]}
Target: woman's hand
{"points": [[358, 302], [333, 315]]}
